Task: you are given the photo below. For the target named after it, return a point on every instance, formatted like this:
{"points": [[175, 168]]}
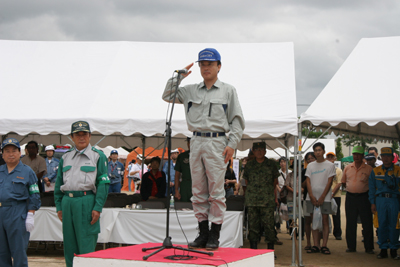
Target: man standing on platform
{"points": [[212, 109], [80, 193], [384, 187], [183, 189], [115, 172], [355, 179], [261, 176]]}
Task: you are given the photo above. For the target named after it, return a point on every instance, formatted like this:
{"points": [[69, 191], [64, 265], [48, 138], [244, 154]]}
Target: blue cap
{"points": [[114, 152], [209, 54], [10, 141]]}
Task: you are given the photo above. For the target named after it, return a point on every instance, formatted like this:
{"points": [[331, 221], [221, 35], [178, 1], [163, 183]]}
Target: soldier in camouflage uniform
{"points": [[261, 180]]}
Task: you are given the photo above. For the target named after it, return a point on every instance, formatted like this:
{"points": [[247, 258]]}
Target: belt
{"points": [[10, 203], [208, 134], [78, 193], [358, 194], [388, 195]]}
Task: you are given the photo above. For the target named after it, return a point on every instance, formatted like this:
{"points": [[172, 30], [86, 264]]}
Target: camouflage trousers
{"points": [[261, 216]]}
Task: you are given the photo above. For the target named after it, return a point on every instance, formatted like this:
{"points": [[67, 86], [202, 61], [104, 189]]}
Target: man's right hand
{"points": [[177, 195], [59, 214], [373, 208], [189, 71]]}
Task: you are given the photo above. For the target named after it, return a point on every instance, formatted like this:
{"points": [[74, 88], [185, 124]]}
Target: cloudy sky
{"points": [[324, 32]]}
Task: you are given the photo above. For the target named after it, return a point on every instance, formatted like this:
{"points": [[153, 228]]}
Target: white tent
{"points": [[117, 87], [363, 96]]}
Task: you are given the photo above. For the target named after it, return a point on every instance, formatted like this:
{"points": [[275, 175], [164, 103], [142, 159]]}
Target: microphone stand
{"points": [[167, 244]]}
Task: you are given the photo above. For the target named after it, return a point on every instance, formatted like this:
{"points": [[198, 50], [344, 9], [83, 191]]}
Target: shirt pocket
{"points": [[194, 111], [66, 170], [20, 188], [217, 110], [89, 174]]}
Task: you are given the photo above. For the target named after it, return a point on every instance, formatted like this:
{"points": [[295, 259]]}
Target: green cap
{"points": [[358, 149], [387, 151], [80, 126], [259, 145]]}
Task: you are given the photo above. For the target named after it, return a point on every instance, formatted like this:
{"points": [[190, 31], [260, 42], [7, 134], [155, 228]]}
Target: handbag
{"points": [[334, 206]]}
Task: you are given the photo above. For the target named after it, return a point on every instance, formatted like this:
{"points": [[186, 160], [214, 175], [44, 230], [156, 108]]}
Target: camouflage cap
{"points": [[259, 145], [80, 126]]}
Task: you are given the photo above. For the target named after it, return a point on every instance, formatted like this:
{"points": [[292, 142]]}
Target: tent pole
{"points": [[317, 139], [299, 157], [294, 224], [100, 140]]}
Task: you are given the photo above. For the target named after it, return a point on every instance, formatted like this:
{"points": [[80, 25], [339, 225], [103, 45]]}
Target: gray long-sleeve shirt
{"points": [[214, 110]]}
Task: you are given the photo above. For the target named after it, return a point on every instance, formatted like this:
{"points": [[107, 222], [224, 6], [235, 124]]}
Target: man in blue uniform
{"points": [[52, 166], [19, 199], [384, 187], [115, 172]]}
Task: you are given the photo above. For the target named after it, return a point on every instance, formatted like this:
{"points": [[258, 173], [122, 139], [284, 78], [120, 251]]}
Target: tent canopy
{"points": [[349, 102], [117, 88]]}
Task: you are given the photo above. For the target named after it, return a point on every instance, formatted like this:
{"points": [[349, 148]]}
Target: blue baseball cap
{"points": [[209, 54], [10, 141], [113, 152]]}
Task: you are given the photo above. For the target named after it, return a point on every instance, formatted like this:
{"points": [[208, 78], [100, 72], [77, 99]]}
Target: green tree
{"points": [[312, 133], [395, 146], [338, 150], [351, 140]]}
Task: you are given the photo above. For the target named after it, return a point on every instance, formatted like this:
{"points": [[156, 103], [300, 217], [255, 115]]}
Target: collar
{"points": [[388, 169], [217, 84], [84, 151], [17, 168]]}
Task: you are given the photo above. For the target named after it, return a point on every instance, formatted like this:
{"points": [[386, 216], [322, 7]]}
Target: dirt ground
{"points": [[54, 257]]}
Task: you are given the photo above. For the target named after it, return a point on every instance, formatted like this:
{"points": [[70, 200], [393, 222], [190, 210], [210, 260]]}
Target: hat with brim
{"points": [[331, 153], [139, 156], [370, 156], [386, 151], [209, 54], [49, 147], [175, 151], [358, 150], [114, 152], [80, 126], [262, 145], [10, 142]]}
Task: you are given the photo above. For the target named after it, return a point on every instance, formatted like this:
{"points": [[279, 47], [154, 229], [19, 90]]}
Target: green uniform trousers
{"points": [[261, 216], [79, 235]]}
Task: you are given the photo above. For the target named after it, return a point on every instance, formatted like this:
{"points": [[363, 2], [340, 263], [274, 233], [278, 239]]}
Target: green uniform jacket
{"points": [[83, 171], [260, 182]]}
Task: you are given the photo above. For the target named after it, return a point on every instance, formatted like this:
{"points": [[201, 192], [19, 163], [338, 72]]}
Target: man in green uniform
{"points": [[80, 193], [261, 180], [183, 190]]}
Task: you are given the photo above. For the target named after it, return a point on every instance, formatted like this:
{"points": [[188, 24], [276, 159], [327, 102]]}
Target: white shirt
{"points": [[319, 174]]}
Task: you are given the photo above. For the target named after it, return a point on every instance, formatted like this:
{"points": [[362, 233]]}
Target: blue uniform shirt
{"points": [[384, 180], [165, 170], [19, 185], [115, 171], [52, 168]]}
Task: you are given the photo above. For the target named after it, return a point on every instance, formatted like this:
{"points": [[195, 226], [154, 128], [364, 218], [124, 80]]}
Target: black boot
{"points": [[393, 254], [253, 244], [383, 254], [271, 246], [201, 240], [213, 242]]}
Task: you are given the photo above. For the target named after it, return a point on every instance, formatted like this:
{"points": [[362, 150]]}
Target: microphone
{"points": [[184, 71]]}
